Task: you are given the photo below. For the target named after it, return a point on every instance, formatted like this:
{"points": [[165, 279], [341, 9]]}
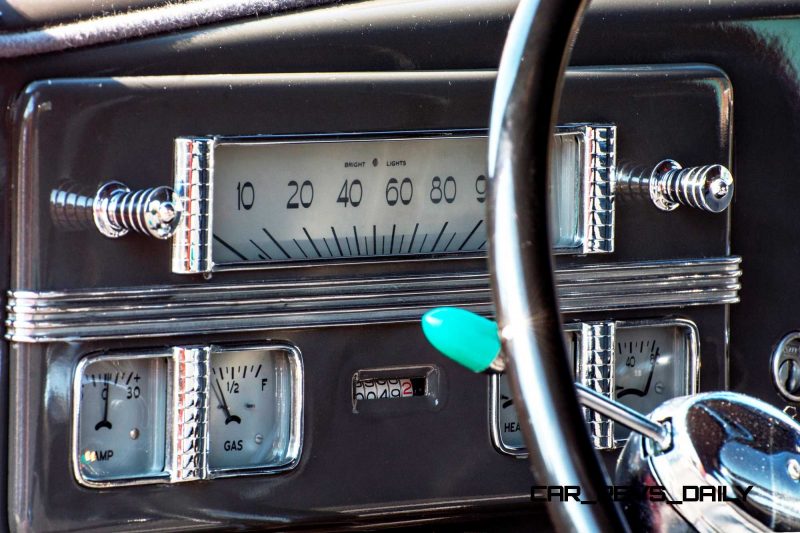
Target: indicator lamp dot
{"points": [[375, 162], [259, 438], [134, 433]]}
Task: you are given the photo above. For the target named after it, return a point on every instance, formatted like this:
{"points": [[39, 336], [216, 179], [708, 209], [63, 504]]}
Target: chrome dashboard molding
{"points": [[595, 363], [192, 245], [156, 311], [595, 367], [189, 420], [600, 149]]}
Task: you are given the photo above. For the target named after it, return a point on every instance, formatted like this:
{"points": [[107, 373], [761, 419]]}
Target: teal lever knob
{"points": [[464, 337]]}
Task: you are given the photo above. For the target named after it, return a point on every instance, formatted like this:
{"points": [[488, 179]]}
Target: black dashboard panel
{"points": [[112, 111], [80, 293]]}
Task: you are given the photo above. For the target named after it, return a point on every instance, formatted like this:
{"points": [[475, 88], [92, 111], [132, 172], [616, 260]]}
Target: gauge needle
{"points": [[104, 423], [228, 416], [637, 392]]}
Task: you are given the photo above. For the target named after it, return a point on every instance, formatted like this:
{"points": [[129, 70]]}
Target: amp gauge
{"points": [[121, 419], [254, 409]]}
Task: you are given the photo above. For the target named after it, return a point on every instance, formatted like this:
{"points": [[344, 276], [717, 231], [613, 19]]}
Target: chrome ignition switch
{"points": [[115, 210], [668, 185]]}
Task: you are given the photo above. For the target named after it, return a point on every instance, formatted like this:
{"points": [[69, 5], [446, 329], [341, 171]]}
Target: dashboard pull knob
{"points": [[115, 210], [668, 185]]}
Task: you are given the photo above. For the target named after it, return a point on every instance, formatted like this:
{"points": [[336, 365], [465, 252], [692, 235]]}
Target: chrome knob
{"points": [[115, 210], [668, 185]]}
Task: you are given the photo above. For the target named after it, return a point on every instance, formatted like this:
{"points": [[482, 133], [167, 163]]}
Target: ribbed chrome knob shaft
{"points": [[668, 185], [115, 210]]}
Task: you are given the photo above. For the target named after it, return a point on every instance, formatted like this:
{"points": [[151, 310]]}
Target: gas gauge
{"points": [[121, 426], [254, 413]]}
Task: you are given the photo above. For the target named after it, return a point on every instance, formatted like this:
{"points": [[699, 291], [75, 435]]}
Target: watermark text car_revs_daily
{"points": [[653, 493]]}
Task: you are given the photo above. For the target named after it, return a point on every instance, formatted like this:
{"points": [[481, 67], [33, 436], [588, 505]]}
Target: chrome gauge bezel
{"points": [[192, 247], [187, 429], [691, 378], [295, 447], [128, 355]]}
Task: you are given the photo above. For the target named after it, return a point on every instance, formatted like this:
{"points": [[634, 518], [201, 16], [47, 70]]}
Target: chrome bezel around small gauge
{"points": [[163, 477], [192, 251], [295, 446], [593, 342], [572, 333]]}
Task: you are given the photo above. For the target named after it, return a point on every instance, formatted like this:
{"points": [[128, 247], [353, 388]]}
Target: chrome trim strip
{"points": [[601, 154], [595, 367], [175, 310], [190, 404], [191, 244]]}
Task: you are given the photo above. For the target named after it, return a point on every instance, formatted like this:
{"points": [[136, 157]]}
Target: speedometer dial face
{"points": [[334, 200], [253, 409], [325, 200]]}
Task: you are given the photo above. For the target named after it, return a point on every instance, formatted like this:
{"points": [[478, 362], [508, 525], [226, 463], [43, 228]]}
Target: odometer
{"points": [[253, 202]]}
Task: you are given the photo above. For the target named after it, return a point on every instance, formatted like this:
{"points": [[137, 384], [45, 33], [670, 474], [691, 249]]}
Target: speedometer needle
{"points": [[228, 416]]}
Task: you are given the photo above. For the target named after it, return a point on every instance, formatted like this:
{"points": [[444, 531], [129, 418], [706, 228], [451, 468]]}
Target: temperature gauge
{"points": [[648, 362], [121, 425], [254, 409]]}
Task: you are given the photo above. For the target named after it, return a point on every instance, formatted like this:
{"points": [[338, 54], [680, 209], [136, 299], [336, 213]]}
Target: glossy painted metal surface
{"points": [[524, 110]]}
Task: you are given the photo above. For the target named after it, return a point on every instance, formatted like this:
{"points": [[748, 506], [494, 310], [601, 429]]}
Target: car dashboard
{"points": [[219, 240]]}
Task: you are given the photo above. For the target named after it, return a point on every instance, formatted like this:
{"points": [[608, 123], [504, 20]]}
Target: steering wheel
{"points": [[524, 110]]}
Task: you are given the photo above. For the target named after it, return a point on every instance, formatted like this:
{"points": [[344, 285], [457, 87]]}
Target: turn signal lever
{"points": [[668, 185], [738, 457]]}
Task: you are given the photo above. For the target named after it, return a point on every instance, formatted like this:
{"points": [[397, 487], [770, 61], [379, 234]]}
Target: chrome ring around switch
{"points": [[785, 367]]}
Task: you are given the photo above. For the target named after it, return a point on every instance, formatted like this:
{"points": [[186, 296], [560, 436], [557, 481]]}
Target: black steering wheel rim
{"points": [[524, 110]]}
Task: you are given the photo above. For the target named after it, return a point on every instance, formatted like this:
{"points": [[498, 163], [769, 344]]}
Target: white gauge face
{"points": [[367, 198], [251, 410], [121, 422], [652, 367]]}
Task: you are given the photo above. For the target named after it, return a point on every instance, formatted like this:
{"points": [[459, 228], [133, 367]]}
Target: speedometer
{"points": [[256, 202], [331, 200]]}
